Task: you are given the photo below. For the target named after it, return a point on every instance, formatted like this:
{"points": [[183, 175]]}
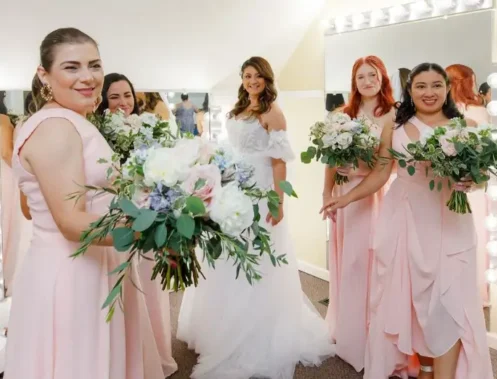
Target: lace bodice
{"points": [[248, 137], [257, 146]]}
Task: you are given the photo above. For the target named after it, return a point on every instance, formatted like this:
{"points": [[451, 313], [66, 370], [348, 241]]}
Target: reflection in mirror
{"points": [[191, 111], [437, 40]]}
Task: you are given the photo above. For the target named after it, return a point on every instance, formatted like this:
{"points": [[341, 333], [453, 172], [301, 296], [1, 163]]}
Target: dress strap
{"points": [[420, 125], [30, 125]]}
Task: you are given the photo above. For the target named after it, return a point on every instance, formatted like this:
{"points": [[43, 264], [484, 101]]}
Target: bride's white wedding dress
{"points": [[259, 331]]}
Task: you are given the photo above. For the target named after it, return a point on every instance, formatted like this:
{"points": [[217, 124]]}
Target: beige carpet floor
{"points": [[333, 368]]}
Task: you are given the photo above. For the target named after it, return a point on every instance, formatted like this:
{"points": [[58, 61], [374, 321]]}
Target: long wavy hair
{"points": [[108, 81], [407, 109], [266, 98], [461, 82], [385, 96]]}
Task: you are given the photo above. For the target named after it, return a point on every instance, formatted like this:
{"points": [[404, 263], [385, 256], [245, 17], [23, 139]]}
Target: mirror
{"points": [[190, 111], [402, 46]]}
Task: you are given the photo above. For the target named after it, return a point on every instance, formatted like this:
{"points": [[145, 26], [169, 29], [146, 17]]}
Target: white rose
{"points": [[148, 118], [447, 147], [116, 120], [188, 150], [329, 139], [344, 140], [232, 210], [135, 122], [426, 135], [164, 166]]}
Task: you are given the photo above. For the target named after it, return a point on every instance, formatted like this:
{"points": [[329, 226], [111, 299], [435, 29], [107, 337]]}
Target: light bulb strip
{"points": [[412, 11], [491, 220]]}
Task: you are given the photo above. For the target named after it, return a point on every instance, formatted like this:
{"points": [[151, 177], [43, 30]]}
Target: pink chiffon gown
{"points": [[350, 260], [16, 229], [480, 207], [57, 328], [424, 294]]}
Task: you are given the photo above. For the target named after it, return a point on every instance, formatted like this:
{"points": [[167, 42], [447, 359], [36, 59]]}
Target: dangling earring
{"points": [[97, 103], [46, 93], [412, 104]]}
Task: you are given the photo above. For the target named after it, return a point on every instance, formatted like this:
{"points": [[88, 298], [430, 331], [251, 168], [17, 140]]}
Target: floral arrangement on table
{"points": [[126, 133], [341, 141], [456, 153], [180, 195]]}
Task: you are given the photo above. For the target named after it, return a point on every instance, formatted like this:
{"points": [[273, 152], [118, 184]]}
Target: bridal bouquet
{"points": [[454, 152], [190, 194], [343, 142], [125, 134]]}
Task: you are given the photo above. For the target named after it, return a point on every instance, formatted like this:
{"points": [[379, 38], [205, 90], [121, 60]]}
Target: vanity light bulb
{"points": [[492, 80], [492, 192], [492, 248], [492, 108], [491, 275], [491, 223]]}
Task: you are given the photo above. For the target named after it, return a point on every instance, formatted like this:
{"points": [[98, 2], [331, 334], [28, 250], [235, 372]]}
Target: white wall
{"points": [[465, 39]]}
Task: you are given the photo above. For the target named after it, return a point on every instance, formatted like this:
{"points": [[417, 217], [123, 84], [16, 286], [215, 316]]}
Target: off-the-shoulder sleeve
{"points": [[279, 146]]}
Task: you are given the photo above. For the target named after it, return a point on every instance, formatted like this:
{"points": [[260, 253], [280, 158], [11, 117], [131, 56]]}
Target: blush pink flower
{"points": [[203, 181]]}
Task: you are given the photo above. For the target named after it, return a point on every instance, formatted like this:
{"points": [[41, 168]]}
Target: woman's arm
{"points": [[6, 139], [162, 110], [375, 180], [275, 121], [200, 122], [54, 154], [329, 184], [24, 206]]}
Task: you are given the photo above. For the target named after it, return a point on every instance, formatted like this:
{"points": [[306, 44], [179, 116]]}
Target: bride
{"points": [[263, 330]]}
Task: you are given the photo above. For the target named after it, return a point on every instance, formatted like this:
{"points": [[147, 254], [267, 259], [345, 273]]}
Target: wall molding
{"points": [[492, 340], [313, 270]]}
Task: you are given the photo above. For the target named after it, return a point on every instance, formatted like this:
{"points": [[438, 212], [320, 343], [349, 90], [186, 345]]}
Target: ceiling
{"points": [[160, 44]]}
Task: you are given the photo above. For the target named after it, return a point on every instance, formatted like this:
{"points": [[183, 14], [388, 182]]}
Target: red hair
{"points": [[461, 82], [385, 96]]}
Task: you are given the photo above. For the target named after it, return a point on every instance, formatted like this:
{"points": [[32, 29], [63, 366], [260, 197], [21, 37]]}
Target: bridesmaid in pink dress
{"points": [[16, 228], [424, 296], [57, 328], [118, 93], [350, 256], [463, 83]]}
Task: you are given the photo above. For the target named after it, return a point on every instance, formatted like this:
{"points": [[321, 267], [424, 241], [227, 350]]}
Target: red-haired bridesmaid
{"points": [[463, 84], [350, 255]]}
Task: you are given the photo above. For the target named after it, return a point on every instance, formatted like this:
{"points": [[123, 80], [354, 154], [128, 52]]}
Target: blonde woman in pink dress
{"points": [[350, 256], [463, 83], [57, 328], [424, 296]]}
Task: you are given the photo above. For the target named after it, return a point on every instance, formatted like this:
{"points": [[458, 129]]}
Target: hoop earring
{"points": [[46, 93]]}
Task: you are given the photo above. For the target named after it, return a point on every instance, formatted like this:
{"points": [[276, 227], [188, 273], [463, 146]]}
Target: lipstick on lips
{"points": [[87, 92]]}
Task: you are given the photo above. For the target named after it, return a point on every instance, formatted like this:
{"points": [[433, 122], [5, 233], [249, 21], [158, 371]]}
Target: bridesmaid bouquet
{"points": [[125, 134], [190, 194], [455, 152], [342, 142]]}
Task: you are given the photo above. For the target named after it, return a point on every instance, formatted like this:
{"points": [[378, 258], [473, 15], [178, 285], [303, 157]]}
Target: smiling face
{"points": [[120, 97], [76, 76], [429, 91], [368, 80], [253, 82]]}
